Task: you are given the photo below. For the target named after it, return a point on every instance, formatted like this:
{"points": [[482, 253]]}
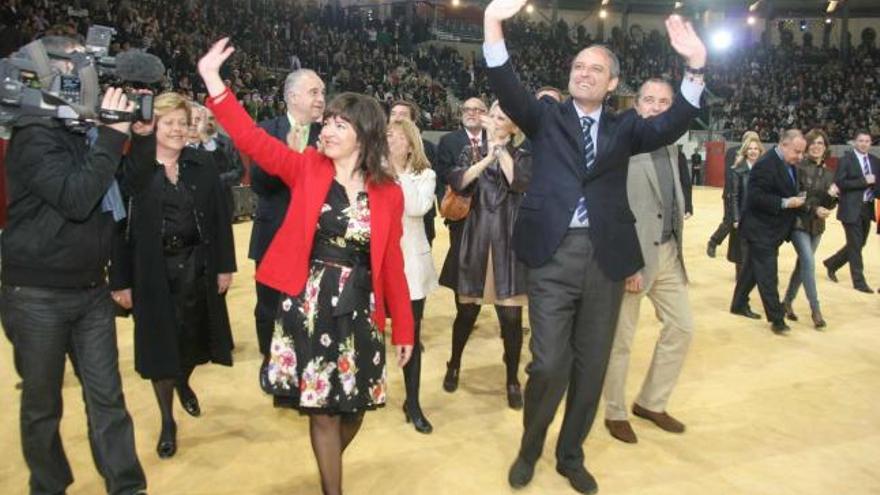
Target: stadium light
{"points": [[530, 8], [751, 20], [827, 20], [603, 13], [721, 40], [832, 5], [456, 3]]}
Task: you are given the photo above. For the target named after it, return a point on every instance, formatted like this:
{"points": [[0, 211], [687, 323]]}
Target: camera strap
{"points": [[114, 116]]}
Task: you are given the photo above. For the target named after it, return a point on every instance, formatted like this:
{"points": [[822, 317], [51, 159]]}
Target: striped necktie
{"points": [[590, 156]]}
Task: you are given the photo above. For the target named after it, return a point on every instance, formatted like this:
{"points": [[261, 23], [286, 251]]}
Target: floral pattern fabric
{"points": [[324, 360]]}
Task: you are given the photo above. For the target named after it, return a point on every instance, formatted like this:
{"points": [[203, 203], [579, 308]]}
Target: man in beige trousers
{"points": [[656, 199]]}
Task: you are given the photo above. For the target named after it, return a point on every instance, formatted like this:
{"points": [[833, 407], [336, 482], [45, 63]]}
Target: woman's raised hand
{"points": [[210, 63]]}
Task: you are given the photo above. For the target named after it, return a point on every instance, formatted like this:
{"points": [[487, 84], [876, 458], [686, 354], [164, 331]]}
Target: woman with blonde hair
{"points": [[406, 155], [174, 261], [749, 152], [488, 271]]}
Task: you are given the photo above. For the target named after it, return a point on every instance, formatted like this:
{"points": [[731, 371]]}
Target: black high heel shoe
{"points": [[167, 446], [419, 421], [514, 396], [450, 381], [189, 401]]}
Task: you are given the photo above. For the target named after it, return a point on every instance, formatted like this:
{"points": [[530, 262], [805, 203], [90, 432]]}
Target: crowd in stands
{"points": [[351, 50]]}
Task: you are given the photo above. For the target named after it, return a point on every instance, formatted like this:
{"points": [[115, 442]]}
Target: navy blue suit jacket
{"points": [[851, 181], [560, 177], [764, 220], [273, 196]]}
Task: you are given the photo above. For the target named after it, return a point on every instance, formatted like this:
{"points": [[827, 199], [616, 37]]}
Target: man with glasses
{"points": [[470, 136]]}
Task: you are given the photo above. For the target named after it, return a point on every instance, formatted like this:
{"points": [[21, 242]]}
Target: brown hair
{"points": [[412, 107], [815, 134], [368, 119], [170, 101], [416, 161]]}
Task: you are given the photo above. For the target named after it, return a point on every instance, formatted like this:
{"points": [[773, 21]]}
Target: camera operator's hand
{"points": [[122, 298], [116, 101], [210, 63], [143, 128]]}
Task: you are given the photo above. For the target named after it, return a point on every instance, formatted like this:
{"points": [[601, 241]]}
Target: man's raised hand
{"points": [[500, 10], [685, 41]]}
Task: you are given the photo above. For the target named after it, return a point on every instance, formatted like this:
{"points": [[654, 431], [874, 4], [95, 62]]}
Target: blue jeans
{"points": [[46, 324], [805, 245]]}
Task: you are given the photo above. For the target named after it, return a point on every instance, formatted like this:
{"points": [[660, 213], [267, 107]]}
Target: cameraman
{"points": [[54, 295]]}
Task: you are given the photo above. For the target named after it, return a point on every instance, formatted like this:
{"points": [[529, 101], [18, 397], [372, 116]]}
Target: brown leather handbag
{"points": [[454, 206]]}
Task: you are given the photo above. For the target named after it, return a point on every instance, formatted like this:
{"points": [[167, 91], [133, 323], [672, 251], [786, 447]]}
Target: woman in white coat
{"points": [[406, 155]]}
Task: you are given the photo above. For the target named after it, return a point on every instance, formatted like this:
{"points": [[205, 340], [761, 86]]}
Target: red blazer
{"points": [[285, 266]]}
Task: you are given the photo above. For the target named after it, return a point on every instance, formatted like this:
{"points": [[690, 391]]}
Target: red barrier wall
{"points": [[713, 168]]}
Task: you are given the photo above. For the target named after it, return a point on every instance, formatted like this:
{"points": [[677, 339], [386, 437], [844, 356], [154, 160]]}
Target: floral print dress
{"points": [[328, 355]]}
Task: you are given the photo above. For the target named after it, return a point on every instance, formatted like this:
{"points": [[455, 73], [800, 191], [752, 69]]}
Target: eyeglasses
{"points": [[473, 110]]}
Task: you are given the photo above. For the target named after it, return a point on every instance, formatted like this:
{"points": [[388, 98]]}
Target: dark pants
{"points": [[856, 236], [265, 313], [759, 268], [573, 309], [45, 325]]}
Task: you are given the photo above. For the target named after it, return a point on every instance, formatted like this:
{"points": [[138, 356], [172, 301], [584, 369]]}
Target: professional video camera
{"points": [[31, 87]]}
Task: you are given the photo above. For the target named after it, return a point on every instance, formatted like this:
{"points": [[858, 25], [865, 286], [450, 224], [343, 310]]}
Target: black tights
{"points": [[330, 435], [164, 390], [510, 319], [413, 369]]}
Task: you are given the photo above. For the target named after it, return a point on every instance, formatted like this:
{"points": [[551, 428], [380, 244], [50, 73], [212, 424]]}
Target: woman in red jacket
{"points": [[336, 260]]}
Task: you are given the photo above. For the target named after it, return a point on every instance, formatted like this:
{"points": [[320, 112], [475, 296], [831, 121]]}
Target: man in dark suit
{"points": [[472, 137], [575, 231], [299, 127], [856, 179], [407, 110], [766, 222]]}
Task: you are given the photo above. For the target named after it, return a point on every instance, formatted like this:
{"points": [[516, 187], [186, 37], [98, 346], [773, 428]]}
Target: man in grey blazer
{"points": [[658, 203]]}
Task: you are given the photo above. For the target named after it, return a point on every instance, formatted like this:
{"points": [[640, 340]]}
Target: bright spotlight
{"points": [[530, 8], [603, 14], [827, 20], [721, 40], [455, 3], [751, 20]]}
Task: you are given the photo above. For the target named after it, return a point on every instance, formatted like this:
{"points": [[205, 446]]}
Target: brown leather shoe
{"points": [[661, 419], [818, 321], [789, 312], [621, 430]]}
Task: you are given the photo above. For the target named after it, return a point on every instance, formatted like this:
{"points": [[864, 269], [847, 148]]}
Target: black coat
{"points": [[449, 152], [764, 221], [273, 195], [138, 262], [560, 177], [57, 234], [851, 182]]}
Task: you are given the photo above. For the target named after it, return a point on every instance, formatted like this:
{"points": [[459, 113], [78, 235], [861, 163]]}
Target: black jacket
{"points": [[851, 182], [273, 195], [57, 235], [139, 261], [560, 177], [448, 152], [764, 220]]}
